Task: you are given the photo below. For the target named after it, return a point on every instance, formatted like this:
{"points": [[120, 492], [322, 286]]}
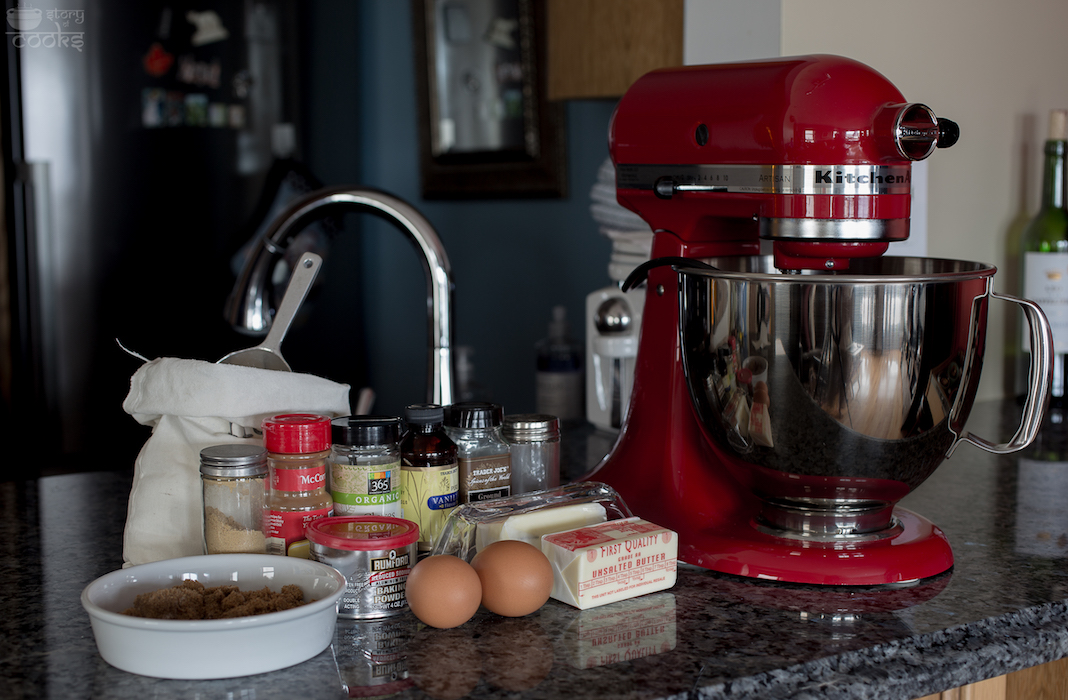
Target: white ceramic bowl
{"points": [[214, 648]]}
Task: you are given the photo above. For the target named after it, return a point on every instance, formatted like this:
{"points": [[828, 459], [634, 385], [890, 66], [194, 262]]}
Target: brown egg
{"points": [[516, 577], [443, 591]]}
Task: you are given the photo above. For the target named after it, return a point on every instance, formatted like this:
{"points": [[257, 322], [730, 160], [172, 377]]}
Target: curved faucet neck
{"points": [[248, 308]]}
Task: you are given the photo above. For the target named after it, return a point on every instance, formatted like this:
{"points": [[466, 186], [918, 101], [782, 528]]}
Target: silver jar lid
{"points": [[531, 427], [233, 459]]}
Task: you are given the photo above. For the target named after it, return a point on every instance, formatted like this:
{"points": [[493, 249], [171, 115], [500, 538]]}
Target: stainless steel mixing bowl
{"points": [[870, 376]]}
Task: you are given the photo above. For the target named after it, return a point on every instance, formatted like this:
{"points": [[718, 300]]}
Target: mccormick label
{"points": [[428, 496], [483, 478], [362, 488], [285, 530], [308, 479]]}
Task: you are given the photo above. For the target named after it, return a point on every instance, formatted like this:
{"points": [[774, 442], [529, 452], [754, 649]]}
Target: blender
{"points": [[783, 404]]}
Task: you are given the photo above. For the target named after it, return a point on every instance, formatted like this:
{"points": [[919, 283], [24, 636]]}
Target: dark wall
{"points": [[513, 260]]}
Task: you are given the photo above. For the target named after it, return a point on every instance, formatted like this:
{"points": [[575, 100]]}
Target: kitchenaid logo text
{"points": [[839, 177], [25, 21]]}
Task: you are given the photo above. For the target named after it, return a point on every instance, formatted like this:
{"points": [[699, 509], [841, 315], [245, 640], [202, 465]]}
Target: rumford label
{"points": [[770, 179]]}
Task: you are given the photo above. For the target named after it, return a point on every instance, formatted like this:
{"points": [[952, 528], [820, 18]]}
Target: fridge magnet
{"points": [[237, 116], [153, 101], [218, 115], [157, 61], [196, 109], [209, 27]]}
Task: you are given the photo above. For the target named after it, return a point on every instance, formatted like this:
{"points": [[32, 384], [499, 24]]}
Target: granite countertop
{"points": [[1002, 608]]}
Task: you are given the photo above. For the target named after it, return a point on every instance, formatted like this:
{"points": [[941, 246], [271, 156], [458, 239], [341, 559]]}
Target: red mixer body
{"points": [[715, 159]]}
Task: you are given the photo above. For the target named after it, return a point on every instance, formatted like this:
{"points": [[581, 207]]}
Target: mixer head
{"points": [[812, 153]]}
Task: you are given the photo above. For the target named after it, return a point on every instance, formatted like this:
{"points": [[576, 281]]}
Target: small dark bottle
{"points": [[430, 474]]}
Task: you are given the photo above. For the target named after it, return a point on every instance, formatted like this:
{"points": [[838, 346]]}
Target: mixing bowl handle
{"points": [[1039, 378]]}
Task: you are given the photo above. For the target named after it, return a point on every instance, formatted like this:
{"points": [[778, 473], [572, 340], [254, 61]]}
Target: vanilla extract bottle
{"points": [[1045, 257]]}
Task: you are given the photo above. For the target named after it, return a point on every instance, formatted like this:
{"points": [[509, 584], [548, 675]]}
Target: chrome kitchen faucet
{"points": [[248, 309]]}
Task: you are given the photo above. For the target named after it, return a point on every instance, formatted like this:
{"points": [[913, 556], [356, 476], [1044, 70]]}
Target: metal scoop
{"points": [[268, 354]]}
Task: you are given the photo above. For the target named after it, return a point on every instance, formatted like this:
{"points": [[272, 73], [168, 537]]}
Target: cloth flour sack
{"points": [[190, 405]]}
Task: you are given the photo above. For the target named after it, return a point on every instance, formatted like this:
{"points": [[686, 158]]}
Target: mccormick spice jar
{"points": [[365, 471], [374, 553], [234, 480], [483, 455], [298, 445], [430, 475]]}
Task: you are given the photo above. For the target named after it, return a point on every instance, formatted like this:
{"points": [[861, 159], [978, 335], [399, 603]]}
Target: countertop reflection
{"points": [[1003, 607]]}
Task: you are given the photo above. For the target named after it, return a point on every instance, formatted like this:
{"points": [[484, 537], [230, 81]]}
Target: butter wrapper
{"points": [[611, 561]]}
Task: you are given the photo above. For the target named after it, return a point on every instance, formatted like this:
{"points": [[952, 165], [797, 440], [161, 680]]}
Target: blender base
{"points": [[919, 551]]}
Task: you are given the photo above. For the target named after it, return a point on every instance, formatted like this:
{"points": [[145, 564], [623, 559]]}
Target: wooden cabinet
{"points": [[597, 48], [1045, 682]]}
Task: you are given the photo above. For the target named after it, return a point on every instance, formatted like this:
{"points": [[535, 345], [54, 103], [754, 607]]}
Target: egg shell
{"points": [[516, 577], [443, 591]]}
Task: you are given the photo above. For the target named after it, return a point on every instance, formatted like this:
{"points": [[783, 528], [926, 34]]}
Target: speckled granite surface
{"points": [[1002, 608]]}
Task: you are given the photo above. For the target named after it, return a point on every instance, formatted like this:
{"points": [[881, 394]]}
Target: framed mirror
{"points": [[486, 129]]}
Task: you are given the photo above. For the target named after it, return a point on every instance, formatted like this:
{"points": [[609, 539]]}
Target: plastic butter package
{"points": [[611, 561], [528, 517]]}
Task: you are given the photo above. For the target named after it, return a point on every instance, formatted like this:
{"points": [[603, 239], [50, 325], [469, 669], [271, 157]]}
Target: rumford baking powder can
{"points": [[375, 554]]}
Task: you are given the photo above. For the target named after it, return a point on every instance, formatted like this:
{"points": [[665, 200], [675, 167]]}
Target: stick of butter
{"points": [[612, 561], [529, 527]]}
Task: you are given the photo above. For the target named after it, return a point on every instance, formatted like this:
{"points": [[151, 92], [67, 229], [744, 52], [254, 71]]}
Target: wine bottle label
{"points": [[1046, 283], [560, 394]]}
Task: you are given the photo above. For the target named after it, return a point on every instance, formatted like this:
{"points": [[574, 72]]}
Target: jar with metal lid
{"points": [[298, 446], [482, 454], [234, 483], [365, 465], [534, 440]]}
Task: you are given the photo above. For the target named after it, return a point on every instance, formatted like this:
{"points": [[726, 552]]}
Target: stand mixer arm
{"points": [[1039, 378]]}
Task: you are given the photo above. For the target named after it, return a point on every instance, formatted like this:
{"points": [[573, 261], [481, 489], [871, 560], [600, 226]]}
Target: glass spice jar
{"points": [[234, 479], [365, 466], [535, 449], [483, 455], [298, 447]]}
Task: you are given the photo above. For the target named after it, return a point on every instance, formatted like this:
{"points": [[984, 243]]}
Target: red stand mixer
{"points": [[783, 404]]}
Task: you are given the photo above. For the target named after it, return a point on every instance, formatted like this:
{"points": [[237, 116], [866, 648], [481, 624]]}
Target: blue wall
{"points": [[513, 260]]}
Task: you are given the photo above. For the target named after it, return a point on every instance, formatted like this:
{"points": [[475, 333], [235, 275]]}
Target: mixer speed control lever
{"points": [[665, 187]]}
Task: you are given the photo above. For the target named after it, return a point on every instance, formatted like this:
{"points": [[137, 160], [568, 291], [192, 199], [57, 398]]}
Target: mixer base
{"points": [[919, 551]]}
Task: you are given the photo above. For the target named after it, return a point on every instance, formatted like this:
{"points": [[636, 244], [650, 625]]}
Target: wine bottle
{"points": [[1045, 254]]}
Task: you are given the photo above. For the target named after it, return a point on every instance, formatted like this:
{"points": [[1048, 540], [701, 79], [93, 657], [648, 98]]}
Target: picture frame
{"points": [[486, 128]]}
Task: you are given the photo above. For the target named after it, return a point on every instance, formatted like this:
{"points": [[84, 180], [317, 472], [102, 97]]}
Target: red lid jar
{"points": [[296, 433]]}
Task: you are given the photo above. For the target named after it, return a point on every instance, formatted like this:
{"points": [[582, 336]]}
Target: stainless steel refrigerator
{"points": [[137, 141]]}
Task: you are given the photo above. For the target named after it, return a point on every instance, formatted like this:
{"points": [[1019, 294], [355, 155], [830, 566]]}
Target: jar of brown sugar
{"points": [[298, 446], [233, 479]]}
